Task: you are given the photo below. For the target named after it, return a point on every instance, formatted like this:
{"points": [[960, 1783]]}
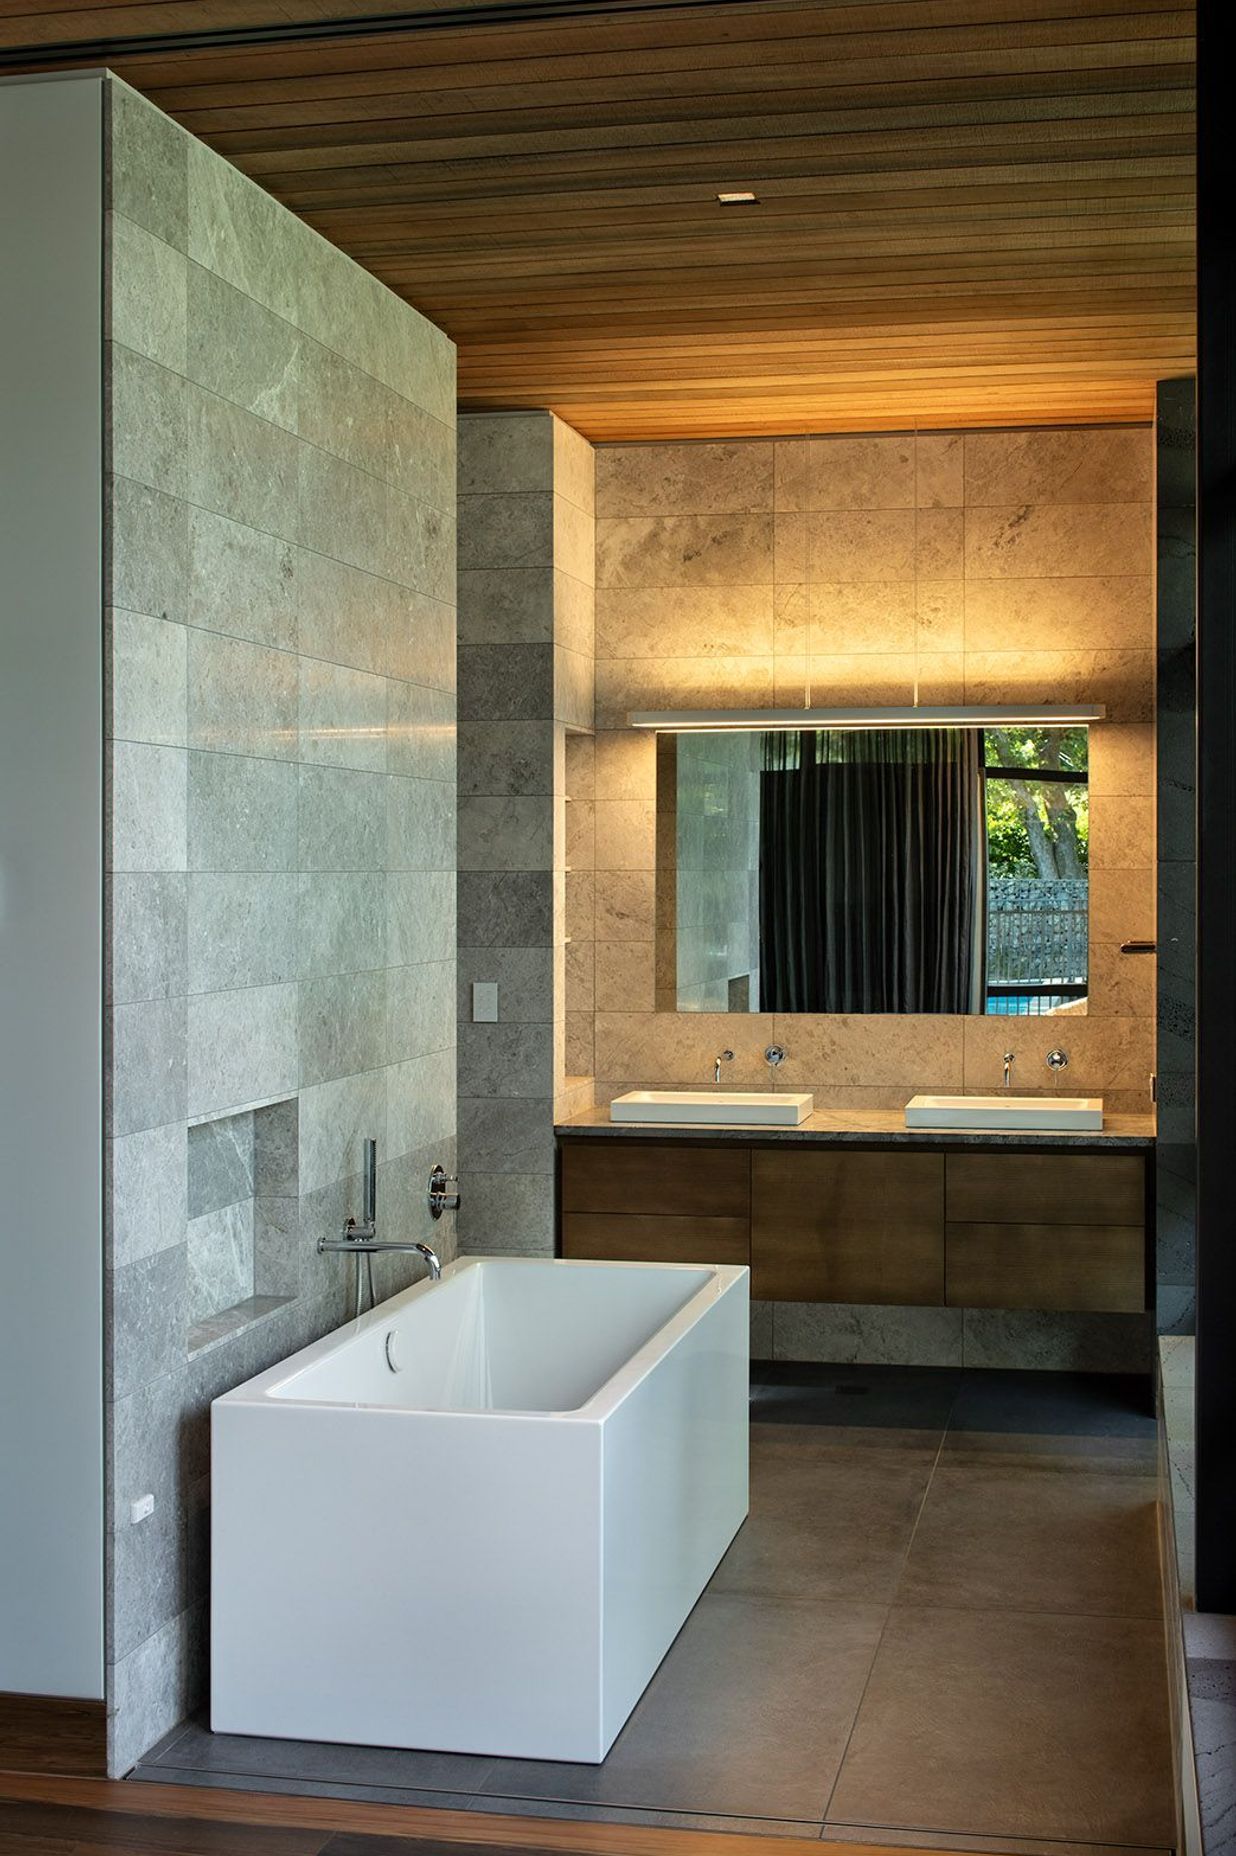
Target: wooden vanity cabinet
{"points": [[655, 1202], [1049, 1231], [840, 1225], [1000, 1227]]}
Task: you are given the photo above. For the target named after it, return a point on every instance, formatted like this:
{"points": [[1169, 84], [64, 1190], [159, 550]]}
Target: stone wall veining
{"points": [[985, 566], [281, 655]]}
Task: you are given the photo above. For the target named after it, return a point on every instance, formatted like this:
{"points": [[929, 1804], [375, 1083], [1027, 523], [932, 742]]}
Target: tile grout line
{"points": [[287, 541], [935, 1464], [293, 431]]}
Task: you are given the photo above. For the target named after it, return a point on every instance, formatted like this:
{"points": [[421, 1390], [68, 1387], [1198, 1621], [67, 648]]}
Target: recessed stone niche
{"points": [[243, 1220]]}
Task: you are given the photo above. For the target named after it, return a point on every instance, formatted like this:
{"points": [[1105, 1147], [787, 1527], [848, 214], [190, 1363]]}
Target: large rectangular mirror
{"points": [[933, 869]]}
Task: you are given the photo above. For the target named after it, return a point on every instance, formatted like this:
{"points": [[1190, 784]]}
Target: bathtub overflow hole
{"points": [[392, 1352]]}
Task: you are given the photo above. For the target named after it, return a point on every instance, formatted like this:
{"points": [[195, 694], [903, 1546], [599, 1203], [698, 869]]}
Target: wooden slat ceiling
{"points": [[971, 211]]}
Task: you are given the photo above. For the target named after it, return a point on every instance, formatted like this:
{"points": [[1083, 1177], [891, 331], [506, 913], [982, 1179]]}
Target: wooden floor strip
{"points": [[88, 1817]]}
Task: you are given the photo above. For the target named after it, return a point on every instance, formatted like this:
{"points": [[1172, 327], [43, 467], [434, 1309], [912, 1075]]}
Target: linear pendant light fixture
{"points": [[927, 715]]}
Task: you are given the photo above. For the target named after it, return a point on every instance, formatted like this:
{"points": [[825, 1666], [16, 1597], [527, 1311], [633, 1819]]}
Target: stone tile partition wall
{"points": [[580, 962], [281, 653], [987, 566], [1176, 602], [526, 555]]}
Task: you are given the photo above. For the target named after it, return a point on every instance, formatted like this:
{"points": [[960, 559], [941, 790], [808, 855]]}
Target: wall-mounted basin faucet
{"points": [[724, 1056], [1010, 1058]]}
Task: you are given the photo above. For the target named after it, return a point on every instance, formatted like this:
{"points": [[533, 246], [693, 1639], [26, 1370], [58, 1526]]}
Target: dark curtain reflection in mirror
{"points": [[872, 871], [923, 869]]}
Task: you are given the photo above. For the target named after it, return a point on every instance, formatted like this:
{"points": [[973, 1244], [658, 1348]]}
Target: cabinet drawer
{"points": [[1018, 1188], [1099, 1267], [656, 1177], [613, 1238], [847, 1227]]}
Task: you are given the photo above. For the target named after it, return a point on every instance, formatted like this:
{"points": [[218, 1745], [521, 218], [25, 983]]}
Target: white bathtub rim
{"points": [[264, 1389]]}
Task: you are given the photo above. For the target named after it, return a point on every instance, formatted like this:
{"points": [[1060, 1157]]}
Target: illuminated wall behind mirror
{"points": [[881, 870]]}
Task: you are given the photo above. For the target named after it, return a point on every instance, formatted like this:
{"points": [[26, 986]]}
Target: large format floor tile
{"points": [[748, 1716], [1015, 1703], [198, 1750], [1054, 1404], [1075, 1421], [905, 1407], [826, 1522], [304, 1788], [993, 1723], [1029, 1538]]}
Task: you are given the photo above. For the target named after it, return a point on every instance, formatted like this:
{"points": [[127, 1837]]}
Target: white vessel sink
{"points": [[1061, 1114], [712, 1107]]}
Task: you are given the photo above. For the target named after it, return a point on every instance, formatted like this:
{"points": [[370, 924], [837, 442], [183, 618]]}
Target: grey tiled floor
{"points": [[941, 1621]]}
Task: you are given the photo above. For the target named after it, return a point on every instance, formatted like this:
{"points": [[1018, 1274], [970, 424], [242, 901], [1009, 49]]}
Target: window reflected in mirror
{"points": [[1037, 816], [874, 870]]}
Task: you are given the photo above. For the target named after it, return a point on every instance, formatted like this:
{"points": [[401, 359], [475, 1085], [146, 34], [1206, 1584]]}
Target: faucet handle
{"points": [[440, 1200]]}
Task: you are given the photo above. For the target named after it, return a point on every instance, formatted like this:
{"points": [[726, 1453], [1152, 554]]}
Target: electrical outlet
{"points": [[484, 1002]]}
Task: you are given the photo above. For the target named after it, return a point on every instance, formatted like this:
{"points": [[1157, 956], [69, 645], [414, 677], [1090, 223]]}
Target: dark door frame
{"points": [[1216, 786]]}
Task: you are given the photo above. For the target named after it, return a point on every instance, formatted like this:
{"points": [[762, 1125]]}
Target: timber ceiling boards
{"points": [[969, 211]]}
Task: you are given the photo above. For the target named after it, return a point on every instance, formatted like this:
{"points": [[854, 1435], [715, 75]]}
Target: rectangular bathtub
{"points": [[475, 1520]]}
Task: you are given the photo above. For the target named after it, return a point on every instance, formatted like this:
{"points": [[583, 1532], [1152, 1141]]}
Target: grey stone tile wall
{"points": [[526, 598], [1023, 1339], [281, 825]]}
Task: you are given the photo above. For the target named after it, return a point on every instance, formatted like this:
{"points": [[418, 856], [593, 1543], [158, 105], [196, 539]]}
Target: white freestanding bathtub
{"points": [[475, 1519]]}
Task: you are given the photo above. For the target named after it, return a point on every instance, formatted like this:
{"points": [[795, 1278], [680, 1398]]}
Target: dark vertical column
{"points": [[1176, 709], [1216, 965]]}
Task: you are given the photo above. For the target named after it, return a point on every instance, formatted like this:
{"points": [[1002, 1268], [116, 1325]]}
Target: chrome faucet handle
{"points": [[774, 1055], [1057, 1059], [439, 1199]]}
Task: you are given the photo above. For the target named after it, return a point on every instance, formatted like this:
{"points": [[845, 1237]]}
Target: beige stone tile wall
{"points": [[986, 567]]}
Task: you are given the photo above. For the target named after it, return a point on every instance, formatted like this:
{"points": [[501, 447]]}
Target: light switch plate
{"points": [[484, 1002]]}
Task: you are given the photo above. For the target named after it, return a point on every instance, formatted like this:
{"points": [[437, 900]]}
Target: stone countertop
{"points": [[864, 1127]]}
